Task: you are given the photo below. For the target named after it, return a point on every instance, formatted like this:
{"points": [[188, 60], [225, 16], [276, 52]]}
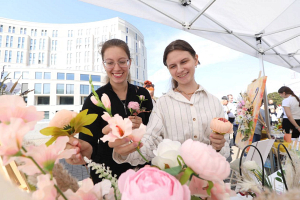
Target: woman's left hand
{"points": [[217, 141], [136, 121]]}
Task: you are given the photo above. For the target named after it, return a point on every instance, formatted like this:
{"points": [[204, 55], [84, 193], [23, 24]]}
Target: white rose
{"points": [[250, 165], [166, 154]]}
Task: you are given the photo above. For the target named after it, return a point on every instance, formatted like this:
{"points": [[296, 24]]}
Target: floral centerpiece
{"points": [[244, 116]]}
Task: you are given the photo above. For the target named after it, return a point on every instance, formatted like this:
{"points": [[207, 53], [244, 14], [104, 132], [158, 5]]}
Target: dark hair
{"points": [[178, 45], [224, 98], [288, 90], [115, 43]]}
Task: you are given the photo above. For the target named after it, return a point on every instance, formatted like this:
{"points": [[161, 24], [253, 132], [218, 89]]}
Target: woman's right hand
{"points": [[123, 146], [83, 149]]}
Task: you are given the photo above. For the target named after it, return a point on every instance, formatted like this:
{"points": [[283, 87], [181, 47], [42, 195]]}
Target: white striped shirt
{"points": [[176, 118]]}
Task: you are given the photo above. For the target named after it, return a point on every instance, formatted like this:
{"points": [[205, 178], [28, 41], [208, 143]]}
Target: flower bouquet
{"points": [[244, 116]]}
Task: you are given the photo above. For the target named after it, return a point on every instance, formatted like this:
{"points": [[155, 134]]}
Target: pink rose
{"points": [[142, 97], [151, 183], [204, 160], [134, 105], [62, 118]]}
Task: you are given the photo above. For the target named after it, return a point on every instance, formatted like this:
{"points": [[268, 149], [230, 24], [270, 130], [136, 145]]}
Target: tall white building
{"points": [[56, 60]]}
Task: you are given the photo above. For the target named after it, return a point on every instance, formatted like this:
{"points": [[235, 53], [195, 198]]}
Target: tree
{"points": [[277, 99]]}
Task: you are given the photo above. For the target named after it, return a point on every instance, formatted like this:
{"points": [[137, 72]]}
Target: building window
{"points": [[21, 30], [1, 28], [17, 75], [60, 88], [96, 78], [37, 88], [96, 87], [126, 29], [45, 32], [60, 76], [9, 56], [23, 41], [24, 87], [83, 100], [31, 32], [136, 47], [21, 61], [70, 76], [31, 43], [11, 41], [7, 41], [25, 75], [34, 44], [137, 60], [47, 75], [43, 101], [25, 31], [0, 40], [43, 44], [66, 100], [84, 77], [18, 57], [40, 44], [19, 42], [42, 33], [69, 89], [35, 32], [126, 39], [46, 88], [137, 73], [30, 58], [33, 58], [5, 56], [84, 89], [46, 114], [13, 30], [9, 29]]}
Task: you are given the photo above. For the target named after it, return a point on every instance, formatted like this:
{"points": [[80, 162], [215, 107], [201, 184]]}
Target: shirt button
{"points": [[195, 136], [194, 119], [191, 104]]}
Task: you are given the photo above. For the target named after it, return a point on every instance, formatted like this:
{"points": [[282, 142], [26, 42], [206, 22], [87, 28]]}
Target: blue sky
{"points": [[222, 70]]}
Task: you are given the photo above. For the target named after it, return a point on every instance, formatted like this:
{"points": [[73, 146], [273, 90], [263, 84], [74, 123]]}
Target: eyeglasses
{"points": [[111, 64]]}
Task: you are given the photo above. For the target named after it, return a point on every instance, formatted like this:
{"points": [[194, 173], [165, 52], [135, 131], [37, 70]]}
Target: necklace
{"points": [[188, 94]]}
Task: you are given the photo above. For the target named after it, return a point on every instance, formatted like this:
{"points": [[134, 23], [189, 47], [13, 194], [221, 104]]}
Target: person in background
{"points": [[150, 87], [259, 126], [224, 101], [291, 110], [232, 115]]}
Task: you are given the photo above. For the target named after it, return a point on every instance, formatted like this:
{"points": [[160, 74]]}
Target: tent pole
{"points": [[265, 97], [284, 41], [202, 11]]}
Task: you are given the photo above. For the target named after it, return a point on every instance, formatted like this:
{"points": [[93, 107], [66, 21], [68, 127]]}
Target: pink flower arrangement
{"points": [[151, 183], [204, 160]]}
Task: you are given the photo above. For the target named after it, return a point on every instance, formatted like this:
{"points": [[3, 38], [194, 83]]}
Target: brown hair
{"points": [[178, 45], [288, 90], [115, 43]]}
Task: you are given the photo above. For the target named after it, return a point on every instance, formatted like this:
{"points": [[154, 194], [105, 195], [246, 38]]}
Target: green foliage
{"points": [[277, 99], [173, 171]]}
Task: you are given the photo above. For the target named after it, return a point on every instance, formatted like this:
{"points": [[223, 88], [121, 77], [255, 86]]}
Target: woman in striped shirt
{"points": [[183, 113]]}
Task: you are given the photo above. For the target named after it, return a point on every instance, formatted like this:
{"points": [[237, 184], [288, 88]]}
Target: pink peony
{"points": [[46, 189], [13, 106], [133, 105], [62, 118], [151, 183], [221, 191], [198, 187], [11, 137], [120, 128], [137, 134], [204, 160], [94, 100], [45, 156], [105, 100]]}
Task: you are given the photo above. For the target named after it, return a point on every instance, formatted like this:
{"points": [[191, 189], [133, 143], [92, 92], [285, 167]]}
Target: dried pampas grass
{"points": [[64, 180], [293, 194]]}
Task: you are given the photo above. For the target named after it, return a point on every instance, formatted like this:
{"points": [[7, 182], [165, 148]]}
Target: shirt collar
{"points": [[176, 95]]}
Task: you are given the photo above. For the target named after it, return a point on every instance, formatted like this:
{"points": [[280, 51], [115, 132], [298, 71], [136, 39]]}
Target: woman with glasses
{"points": [[185, 112], [116, 60]]}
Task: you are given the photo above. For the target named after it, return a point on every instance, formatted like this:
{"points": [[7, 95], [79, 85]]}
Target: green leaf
{"points": [[85, 131], [173, 171], [210, 186], [186, 175], [51, 140], [278, 179], [195, 198], [279, 174]]}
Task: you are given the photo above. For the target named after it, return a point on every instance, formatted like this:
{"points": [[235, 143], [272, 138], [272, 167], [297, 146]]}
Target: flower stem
{"points": [[138, 150], [43, 172]]}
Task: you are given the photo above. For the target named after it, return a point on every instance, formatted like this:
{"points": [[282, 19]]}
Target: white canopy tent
{"points": [[268, 30]]}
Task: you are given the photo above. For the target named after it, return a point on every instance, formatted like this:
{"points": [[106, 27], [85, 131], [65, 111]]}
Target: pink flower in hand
{"points": [[62, 118], [13, 106], [46, 189], [94, 100], [133, 105], [137, 134], [209, 164], [151, 183], [11, 137], [45, 156], [106, 116], [120, 128], [105, 100], [89, 191]]}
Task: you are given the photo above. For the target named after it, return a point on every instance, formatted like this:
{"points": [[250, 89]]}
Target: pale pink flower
{"points": [[221, 191], [151, 183], [45, 156], [105, 100], [133, 105], [120, 128], [137, 134], [13, 106], [11, 137], [142, 97], [106, 116], [62, 118], [46, 189], [204, 160], [94, 100], [89, 191], [198, 187]]}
